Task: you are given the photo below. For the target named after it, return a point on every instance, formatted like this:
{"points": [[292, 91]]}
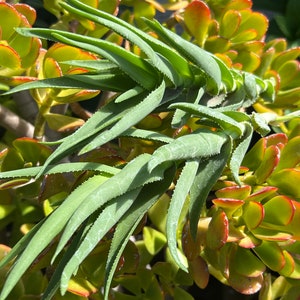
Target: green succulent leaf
{"points": [[198, 56], [219, 118], [218, 230], [116, 81], [208, 173], [178, 199], [180, 116], [162, 57], [135, 115], [271, 254], [147, 135], [131, 177], [109, 216], [48, 231], [201, 144], [130, 220], [133, 65], [53, 285], [240, 151], [103, 118], [61, 168]]}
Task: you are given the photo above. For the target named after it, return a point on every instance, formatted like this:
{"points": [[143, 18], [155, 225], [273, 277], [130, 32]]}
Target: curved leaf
{"points": [[149, 194], [163, 58], [136, 67], [178, 199], [208, 173], [131, 177], [133, 116], [48, 231], [198, 56], [107, 115], [201, 144], [239, 152], [219, 118], [109, 216]]}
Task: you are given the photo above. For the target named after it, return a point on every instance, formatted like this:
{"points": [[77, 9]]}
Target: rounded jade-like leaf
{"points": [[268, 165], [276, 139], [199, 271], [254, 266], [11, 159], [60, 53], [289, 74], [234, 192], [255, 155], [253, 20], [245, 285], [62, 123], [217, 44], [290, 154], [293, 226], [272, 233], [151, 121], [9, 58], [263, 193], [239, 5], [287, 98], [129, 260], [230, 23], [249, 60], [14, 16], [244, 36], [289, 267], [74, 95], [27, 11], [293, 262], [285, 56], [190, 246], [218, 230], [81, 286], [287, 181], [32, 151], [197, 17], [251, 46], [279, 210], [154, 240], [271, 255], [10, 19], [253, 214], [229, 206]]}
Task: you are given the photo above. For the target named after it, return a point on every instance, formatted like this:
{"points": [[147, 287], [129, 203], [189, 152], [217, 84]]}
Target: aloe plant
{"points": [[180, 116]]}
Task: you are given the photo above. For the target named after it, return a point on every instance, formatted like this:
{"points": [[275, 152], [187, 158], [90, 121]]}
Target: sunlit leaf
{"points": [[197, 17], [230, 23], [253, 214], [218, 230], [271, 254], [197, 145], [283, 216]]}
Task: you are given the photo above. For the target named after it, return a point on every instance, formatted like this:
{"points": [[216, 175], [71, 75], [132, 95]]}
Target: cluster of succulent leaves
{"points": [[164, 164]]}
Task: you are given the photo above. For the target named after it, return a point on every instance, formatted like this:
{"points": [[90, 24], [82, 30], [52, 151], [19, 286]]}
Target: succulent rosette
{"points": [[252, 228], [17, 53]]}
